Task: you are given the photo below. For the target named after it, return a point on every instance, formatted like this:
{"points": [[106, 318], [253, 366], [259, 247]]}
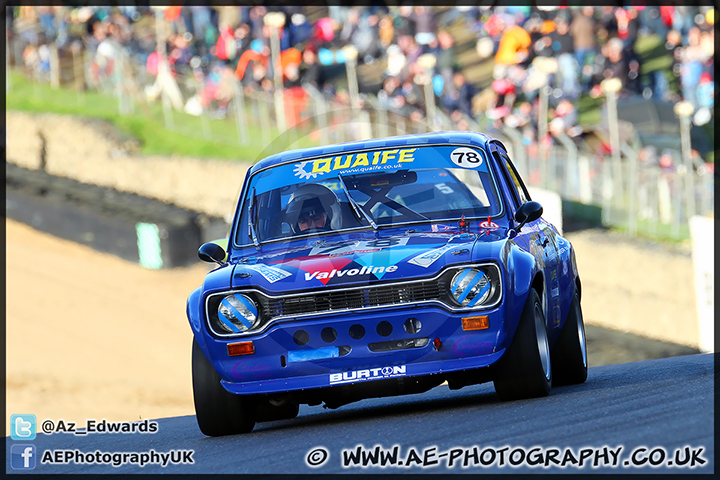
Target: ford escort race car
{"points": [[377, 268]]}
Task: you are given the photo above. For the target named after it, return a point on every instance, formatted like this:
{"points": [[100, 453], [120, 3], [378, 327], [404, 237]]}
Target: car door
{"points": [[538, 237]]}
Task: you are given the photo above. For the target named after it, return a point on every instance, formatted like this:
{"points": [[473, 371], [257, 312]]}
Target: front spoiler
{"points": [[360, 376]]}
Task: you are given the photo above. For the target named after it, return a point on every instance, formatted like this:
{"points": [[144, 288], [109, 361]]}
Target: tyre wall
{"points": [[147, 231]]}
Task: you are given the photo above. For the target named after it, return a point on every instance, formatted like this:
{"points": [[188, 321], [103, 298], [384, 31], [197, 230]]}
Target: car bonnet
{"points": [[364, 259]]}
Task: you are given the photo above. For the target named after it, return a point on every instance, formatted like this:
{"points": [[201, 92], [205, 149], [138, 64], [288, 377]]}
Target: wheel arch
{"points": [[524, 275]]}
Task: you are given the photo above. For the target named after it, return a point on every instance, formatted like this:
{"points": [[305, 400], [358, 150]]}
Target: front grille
{"points": [[350, 299]]}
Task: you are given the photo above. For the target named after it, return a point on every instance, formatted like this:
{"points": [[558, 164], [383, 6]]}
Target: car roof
{"points": [[452, 137]]}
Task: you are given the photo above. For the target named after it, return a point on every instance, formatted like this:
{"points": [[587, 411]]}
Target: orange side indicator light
{"points": [[475, 323], [243, 348]]}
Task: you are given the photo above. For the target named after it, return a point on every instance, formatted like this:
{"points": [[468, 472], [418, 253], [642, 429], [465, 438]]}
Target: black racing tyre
{"points": [[569, 356], [525, 371], [218, 411]]}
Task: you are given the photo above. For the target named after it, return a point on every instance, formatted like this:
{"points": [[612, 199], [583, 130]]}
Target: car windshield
{"points": [[349, 191]]}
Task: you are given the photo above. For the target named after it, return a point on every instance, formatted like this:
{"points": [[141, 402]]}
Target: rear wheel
{"points": [[218, 411], [569, 356], [524, 371]]}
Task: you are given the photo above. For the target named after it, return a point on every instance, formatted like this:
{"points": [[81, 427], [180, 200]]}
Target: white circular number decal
{"points": [[466, 157]]}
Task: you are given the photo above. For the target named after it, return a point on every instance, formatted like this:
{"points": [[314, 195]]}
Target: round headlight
{"points": [[470, 287], [237, 313]]}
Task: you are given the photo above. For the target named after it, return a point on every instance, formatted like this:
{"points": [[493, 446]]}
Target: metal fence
{"points": [[641, 199]]}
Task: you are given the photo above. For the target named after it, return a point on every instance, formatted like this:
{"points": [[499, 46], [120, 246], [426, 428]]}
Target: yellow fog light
{"points": [[475, 323], [242, 348]]}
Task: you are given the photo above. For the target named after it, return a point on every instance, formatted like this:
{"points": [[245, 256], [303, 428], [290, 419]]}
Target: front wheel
{"points": [[524, 371], [218, 412], [569, 357]]}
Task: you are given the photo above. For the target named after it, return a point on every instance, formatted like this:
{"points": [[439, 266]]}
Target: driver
{"points": [[313, 208]]}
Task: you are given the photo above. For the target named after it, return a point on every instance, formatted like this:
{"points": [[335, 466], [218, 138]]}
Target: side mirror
{"points": [[528, 212], [212, 252]]}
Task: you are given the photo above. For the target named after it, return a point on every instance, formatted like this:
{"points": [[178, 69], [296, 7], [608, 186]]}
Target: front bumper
{"points": [[334, 355]]}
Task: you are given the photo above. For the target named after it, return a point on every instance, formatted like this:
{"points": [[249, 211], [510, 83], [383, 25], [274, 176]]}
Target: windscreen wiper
{"points": [[357, 209], [251, 215]]}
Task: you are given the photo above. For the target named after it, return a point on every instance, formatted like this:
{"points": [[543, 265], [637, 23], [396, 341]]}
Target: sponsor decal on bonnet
{"points": [[354, 247], [271, 274], [350, 272], [428, 258]]}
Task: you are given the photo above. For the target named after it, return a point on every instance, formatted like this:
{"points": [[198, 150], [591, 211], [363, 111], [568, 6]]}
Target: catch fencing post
{"points": [[542, 133], [571, 165], [684, 111], [54, 66], [276, 20], [264, 99], [702, 233], [611, 86], [8, 85], [382, 121], [240, 122], [428, 61], [633, 188], [584, 182], [351, 54]]}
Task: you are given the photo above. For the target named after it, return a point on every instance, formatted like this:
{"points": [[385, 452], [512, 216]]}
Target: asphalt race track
{"points": [[653, 412]]}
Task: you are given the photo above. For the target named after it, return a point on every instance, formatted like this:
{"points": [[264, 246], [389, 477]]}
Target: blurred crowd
{"points": [[566, 51]]}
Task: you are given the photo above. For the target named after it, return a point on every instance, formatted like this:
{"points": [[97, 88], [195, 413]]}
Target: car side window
{"points": [[508, 181], [517, 183]]}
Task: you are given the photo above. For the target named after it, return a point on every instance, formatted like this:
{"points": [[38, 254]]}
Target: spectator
{"points": [[256, 54], [608, 27], [567, 65], [396, 61], [299, 30], [409, 89], [447, 56], [505, 91], [521, 116], [366, 39], [324, 31], [242, 39], [582, 29], [682, 20], [425, 26], [460, 95], [673, 46], [691, 68], [389, 90], [310, 70], [386, 31], [614, 62], [201, 27], [543, 46], [651, 22], [532, 26], [350, 26], [404, 22], [565, 120], [512, 50], [410, 48], [628, 25], [257, 26]]}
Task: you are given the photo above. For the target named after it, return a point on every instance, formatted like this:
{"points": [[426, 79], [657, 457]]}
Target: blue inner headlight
{"points": [[237, 313], [470, 287]]}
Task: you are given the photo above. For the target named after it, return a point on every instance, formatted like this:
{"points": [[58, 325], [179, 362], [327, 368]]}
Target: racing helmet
{"points": [[313, 199]]}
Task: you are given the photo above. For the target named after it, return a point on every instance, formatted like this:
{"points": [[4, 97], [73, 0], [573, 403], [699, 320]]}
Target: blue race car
{"points": [[378, 268]]}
